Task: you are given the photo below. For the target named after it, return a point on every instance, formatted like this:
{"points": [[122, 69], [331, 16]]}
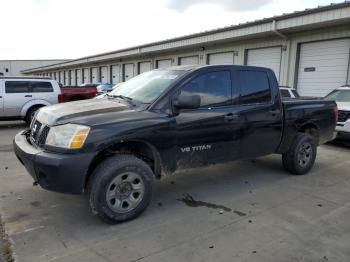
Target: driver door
{"points": [[210, 133]]}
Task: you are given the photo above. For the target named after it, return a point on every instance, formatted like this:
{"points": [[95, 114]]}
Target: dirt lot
{"points": [[244, 211]]}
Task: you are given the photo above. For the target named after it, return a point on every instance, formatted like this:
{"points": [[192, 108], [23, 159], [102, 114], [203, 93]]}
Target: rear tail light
{"points": [[60, 98], [336, 113]]}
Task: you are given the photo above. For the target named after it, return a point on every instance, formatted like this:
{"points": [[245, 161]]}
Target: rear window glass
{"points": [[41, 87], [255, 87]]}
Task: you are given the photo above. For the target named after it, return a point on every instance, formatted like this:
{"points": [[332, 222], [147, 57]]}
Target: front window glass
{"points": [[339, 96], [213, 88], [147, 87]]}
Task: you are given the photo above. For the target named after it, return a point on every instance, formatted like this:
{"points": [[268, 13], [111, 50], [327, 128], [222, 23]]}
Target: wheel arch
{"points": [[141, 149], [33, 103]]}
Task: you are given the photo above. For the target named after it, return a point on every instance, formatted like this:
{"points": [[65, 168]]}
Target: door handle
{"points": [[28, 96], [230, 118]]}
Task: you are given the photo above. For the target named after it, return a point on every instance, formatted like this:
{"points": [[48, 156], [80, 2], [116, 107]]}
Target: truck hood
{"points": [[68, 112]]}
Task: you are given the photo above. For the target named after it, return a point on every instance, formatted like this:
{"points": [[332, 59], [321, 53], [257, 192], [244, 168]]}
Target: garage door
{"points": [[115, 74], [165, 63], [94, 75], [104, 74], [128, 71], [86, 75], [144, 67], [323, 66], [61, 77], [221, 58], [189, 60], [72, 77], [79, 76], [266, 57], [66, 78]]}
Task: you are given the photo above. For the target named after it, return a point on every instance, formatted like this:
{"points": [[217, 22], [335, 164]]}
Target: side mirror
{"points": [[187, 102]]}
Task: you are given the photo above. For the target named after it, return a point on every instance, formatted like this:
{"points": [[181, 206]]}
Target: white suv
{"points": [[20, 97], [342, 97]]}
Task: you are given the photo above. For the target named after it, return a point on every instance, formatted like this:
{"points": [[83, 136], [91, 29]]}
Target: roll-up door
{"points": [[189, 60], [128, 71], [72, 77], [66, 78], [165, 63], [144, 67], [79, 76], [115, 74], [221, 58], [323, 66], [61, 77], [94, 75], [104, 75], [86, 75], [266, 57]]}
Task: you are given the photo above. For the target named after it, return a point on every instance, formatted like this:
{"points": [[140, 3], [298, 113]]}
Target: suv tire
{"points": [[120, 188], [30, 114], [300, 157]]}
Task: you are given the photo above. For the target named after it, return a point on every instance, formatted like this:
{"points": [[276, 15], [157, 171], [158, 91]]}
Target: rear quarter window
{"points": [[254, 87], [41, 87]]}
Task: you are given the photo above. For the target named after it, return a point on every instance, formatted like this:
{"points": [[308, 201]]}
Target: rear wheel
{"points": [[120, 188], [301, 156]]}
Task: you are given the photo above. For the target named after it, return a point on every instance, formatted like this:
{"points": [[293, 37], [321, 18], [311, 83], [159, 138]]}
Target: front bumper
{"points": [[63, 173], [343, 130]]}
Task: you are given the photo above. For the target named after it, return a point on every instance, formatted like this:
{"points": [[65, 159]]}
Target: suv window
{"points": [[214, 88], [17, 87], [28, 87], [41, 87], [255, 87]]}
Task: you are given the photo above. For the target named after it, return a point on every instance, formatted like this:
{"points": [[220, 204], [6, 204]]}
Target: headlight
{"points": [[68, 136]]}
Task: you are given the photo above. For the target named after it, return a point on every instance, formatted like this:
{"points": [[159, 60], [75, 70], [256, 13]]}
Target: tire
{"points": [[30, 114], [301, 156], [120, 188]]}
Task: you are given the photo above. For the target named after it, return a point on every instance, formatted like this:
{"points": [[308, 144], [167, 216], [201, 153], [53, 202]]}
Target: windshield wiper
{"points": [[125, 98]]}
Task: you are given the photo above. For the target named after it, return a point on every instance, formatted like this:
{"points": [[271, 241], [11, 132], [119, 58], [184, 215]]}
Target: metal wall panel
{"points": [[79, 76]]}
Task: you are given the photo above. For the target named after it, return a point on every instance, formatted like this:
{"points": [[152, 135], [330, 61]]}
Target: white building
{"points": [[308, 50], [15, 67]]}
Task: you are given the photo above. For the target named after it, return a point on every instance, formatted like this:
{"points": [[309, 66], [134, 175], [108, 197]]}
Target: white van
{"points": [[20, 97]]}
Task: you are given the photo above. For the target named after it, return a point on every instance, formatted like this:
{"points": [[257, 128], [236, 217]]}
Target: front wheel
{"points": [[300, 158], [120, 188]]}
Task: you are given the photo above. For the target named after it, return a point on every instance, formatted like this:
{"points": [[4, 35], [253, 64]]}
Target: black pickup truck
{"points": [[165, 120]]}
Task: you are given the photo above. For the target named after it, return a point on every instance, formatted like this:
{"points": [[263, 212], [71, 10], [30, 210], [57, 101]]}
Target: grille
{"points": [[343, 116], [38, 133]]}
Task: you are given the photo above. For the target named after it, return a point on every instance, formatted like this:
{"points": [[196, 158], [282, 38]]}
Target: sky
{"points": [[68, 29]]}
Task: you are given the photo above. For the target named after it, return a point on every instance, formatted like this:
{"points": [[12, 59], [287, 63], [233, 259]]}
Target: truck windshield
{"points": [[147, 87], [339, 96]]}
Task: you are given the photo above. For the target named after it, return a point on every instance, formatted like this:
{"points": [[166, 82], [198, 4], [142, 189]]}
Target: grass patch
{"points": [[5, 245]]}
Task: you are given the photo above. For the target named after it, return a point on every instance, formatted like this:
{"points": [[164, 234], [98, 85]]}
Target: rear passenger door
{"points": [[209, 134], [260, 115], [16, 94], [43, 90]]}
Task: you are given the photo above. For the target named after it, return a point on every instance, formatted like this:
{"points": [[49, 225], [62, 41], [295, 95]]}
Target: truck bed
{"points": [[307, 112]]}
